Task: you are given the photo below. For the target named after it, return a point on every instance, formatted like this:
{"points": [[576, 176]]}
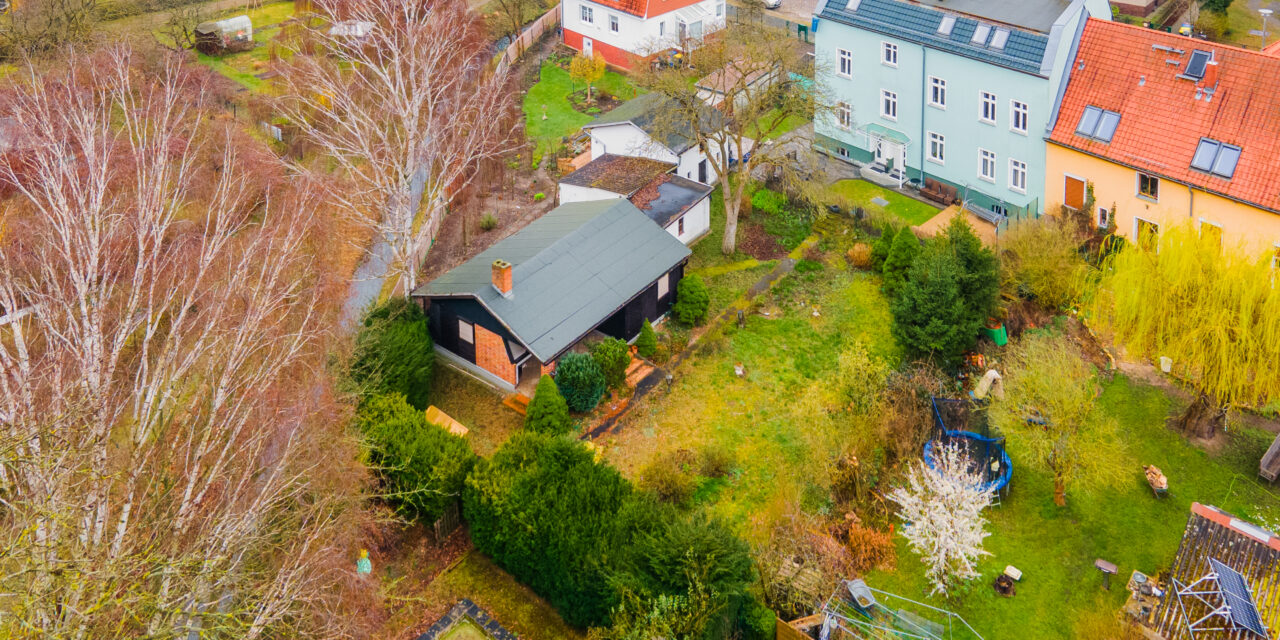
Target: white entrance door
{"points": [[889, 154], [586, 47]]}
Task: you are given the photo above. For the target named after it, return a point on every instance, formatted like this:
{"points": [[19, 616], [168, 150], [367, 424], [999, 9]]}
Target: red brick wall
{"points": [[613, 55], [491, 355]]}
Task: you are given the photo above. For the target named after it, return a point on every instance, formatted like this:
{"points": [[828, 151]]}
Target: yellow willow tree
{"points": [[170, 461], [1214, 311], [1050, 413]]}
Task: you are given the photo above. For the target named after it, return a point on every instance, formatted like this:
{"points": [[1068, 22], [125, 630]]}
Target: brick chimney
{"points": [[502, 277], [1210, 79]]}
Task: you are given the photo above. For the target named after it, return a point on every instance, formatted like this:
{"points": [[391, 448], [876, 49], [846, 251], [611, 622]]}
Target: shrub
{"points": [[860, 256], [422, 467], [667, 478], [767, 202], [692, 300], [539, 196], [393, 352], [756, 621], [647, 342], [613, 356], [905, 249], [979, 268], [488, 222], [717, 461], [1042, 261], [881, 247], [808, 266], [548, 412], [580, 380], [870, 549]]}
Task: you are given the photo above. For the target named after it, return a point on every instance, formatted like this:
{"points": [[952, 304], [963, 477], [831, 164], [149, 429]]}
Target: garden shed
{"points": [[221, 36]]}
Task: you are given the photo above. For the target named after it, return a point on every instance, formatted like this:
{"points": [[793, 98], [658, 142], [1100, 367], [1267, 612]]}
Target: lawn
{"points": [[477, 406], [789, 124], [550, 97], [1055, 548], [244, 67], [860, 193], [770, 417]]}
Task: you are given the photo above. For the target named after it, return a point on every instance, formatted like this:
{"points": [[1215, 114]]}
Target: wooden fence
{"points": [[448, 522], [530, 35]]}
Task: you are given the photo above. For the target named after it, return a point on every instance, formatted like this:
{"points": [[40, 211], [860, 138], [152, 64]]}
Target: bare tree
{"points": [[942, 505], [179, 31], [760, 80], [514, 13], [406, 112], [34, 28], [170, 461]]}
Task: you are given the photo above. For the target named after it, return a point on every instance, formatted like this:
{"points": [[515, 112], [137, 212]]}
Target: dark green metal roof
{"points": [[572, 268], [1024, 51], [646, 111]]}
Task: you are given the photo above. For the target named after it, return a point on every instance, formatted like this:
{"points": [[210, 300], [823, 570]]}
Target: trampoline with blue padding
{"points": [[985, 451]]}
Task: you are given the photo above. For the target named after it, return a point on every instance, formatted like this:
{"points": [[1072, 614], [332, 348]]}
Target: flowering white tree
{"points": [[405, 107], [942, 506]]}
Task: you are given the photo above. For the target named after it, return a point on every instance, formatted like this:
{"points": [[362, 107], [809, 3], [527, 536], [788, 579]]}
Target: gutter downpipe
{"points": [[924, 88]]}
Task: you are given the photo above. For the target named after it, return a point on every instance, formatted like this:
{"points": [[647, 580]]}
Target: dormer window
{"points": [[1216, 158], [1098, 124], [852, 5], [999, 39]]}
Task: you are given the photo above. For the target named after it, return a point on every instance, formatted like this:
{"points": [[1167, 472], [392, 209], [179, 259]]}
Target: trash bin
{"points": [[997, 334]]}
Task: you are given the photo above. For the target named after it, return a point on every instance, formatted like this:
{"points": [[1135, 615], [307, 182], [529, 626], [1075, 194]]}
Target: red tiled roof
{"points": [[1272, 49], [1133, 71], [646, 8]]}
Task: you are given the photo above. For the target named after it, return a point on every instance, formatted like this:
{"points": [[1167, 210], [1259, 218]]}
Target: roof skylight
{"points": [[999, 39], [1215, 157], [1196, 64], [1098, 124], [980, 34], [948, 23]]}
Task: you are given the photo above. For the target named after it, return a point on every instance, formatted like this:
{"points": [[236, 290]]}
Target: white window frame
{"points": [[888, 54], [719, 9], [1137, 224], [842, 152], [937, 89], [982, 164], [1016, 167], [938, 142], [662, 28], [1275, 257], [613, 23], [1103, 218], [887, 97], [1222, 237], [844, 57], [586, 14], [1015, 112], [986, 98], [844, 116], [466, 331]]}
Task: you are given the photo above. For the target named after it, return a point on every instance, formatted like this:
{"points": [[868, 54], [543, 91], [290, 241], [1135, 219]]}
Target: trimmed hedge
{"points": [[647, 342], [422, 468], [393, 352]]}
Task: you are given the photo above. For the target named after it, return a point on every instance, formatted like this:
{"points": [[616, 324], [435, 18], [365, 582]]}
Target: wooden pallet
{"points": [[517, 402], [1269, 466]]}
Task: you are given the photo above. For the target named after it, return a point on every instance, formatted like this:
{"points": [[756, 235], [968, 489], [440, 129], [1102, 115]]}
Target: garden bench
{"points": [[938, 191]]}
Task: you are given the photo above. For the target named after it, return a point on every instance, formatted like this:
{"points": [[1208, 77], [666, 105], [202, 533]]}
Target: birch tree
{"points": [[942, 506], [163, 407], [1214, 311], [404, 112], [762, 76]]}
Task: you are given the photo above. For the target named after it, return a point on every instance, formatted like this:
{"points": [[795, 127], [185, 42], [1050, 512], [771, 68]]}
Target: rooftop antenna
{"points": [[1266, 13]]}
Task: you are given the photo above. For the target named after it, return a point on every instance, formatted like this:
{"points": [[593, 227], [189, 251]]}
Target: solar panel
{"points": [[980, 34], [1239, 598], [1107, 126], [1206, 151], [1001, 37], [1089, 121], [1225, 165], [948, 23], [1195, 66]]}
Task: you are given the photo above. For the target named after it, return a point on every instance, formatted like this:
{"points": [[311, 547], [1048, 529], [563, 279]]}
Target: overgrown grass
{"points": [[769, 416], [1055, 548], [512, 604], [552, 92], [477, 406], [861, 193]]}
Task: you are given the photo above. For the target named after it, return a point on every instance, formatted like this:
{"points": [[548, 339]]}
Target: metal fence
{"points": [[530, 35]]}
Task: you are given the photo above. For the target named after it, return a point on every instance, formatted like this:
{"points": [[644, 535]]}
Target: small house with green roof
{"points": [[510, 312]]}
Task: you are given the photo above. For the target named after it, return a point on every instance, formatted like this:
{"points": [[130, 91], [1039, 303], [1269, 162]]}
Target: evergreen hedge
{"points": [[393, 352], [548, 412], [581, 381]]}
